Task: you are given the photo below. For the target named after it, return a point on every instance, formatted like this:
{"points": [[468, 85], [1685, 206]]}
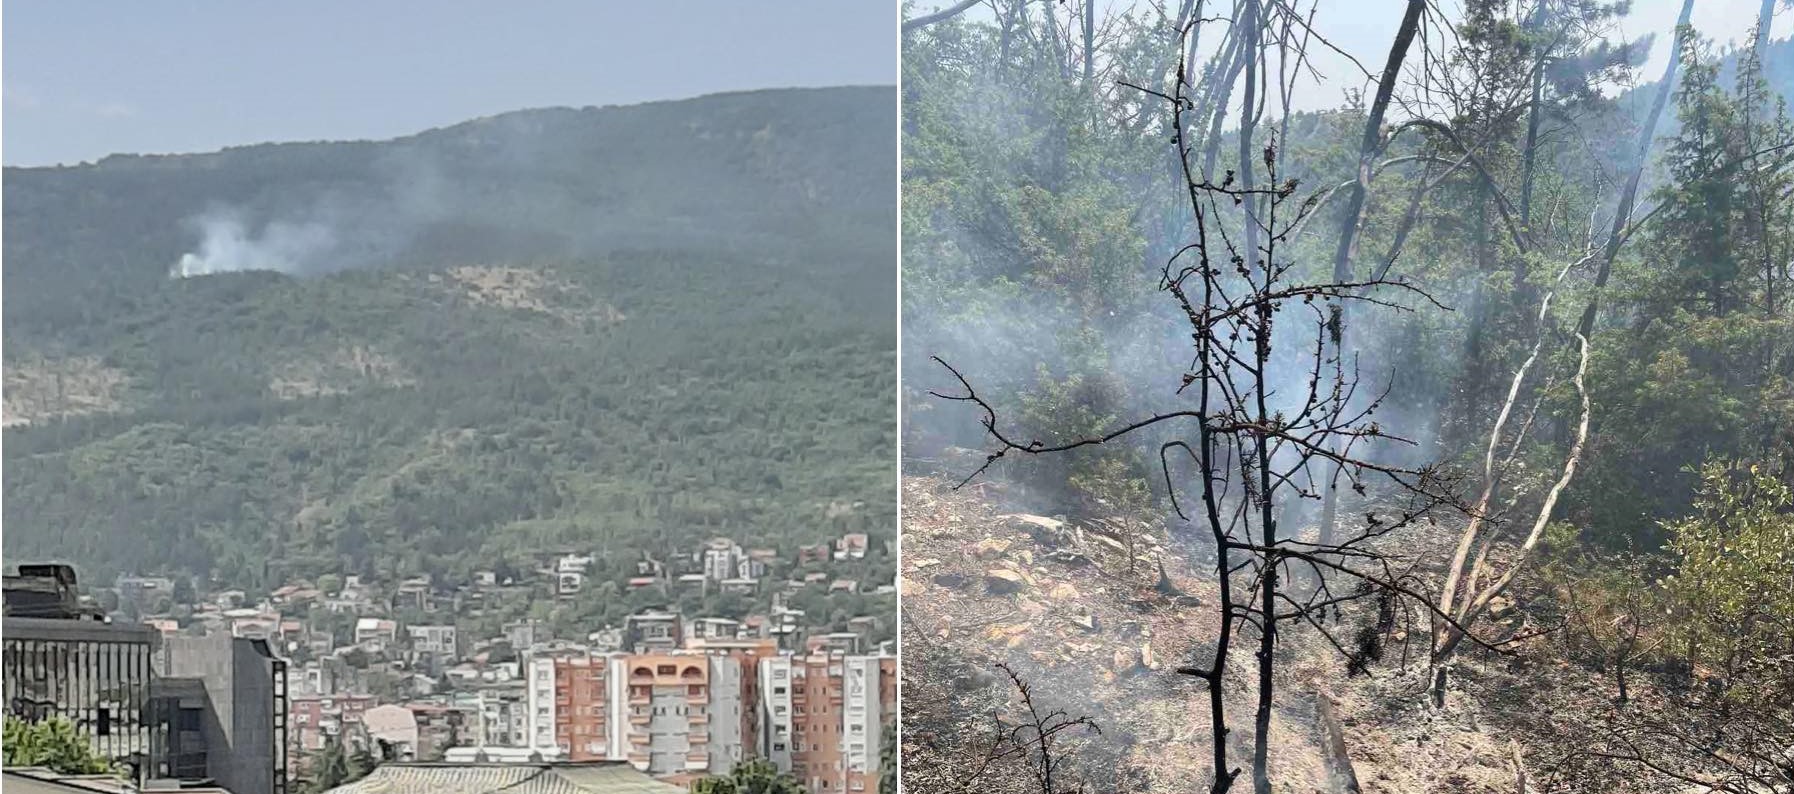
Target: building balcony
{"points": [[639, 719]]}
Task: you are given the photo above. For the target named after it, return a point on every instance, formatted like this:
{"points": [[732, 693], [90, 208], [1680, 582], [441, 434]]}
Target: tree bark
{"points": [[1253, 25], [1765, 16], [1622, 214], [1370, 145], [1534, 109], [1341, 777], [1089, 40]]}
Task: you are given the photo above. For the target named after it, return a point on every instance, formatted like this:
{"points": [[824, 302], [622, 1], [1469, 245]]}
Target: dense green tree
{"points": [[1730, 594], [52, 743], [753, 776]]}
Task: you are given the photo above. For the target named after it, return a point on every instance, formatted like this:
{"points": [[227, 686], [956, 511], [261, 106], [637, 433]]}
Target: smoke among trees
{"points": [[1473, 373]]}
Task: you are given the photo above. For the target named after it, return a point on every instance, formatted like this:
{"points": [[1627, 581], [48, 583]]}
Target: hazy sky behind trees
{"points": [[1364, 29], [84, 80]]}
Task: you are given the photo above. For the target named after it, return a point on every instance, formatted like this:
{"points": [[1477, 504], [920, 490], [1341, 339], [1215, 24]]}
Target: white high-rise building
{"points": [[775, 711]]}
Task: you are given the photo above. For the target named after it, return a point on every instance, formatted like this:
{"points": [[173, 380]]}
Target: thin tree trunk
{"points": [[1089, 40], [1765, 17], [1370, 145], [1250, 51], [1231, 73], [1534, 109], [1622, 214], [1475, 607]]}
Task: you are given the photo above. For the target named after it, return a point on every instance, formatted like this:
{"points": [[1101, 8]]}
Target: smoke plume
{"points": [[228, 244]]}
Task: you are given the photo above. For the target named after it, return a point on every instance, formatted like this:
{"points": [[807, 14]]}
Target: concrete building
{"points": [[539, 675], [721, 559], [654, 630], [582, 721], [816, 695], [776, 718], [503, 715], [667, 712], [393, 729], [662, 712], [375, 632], [570, 573], [713, 629], [440, 727], [97, 675], [863, 716], [735, 720], [244, 725], [433, 639], [823, 716], [176, 708], [851, 546], [316, 719], [525, 633]]}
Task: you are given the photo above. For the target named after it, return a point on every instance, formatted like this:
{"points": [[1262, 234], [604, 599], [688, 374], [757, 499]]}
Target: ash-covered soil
{"points": [[986, 581]]}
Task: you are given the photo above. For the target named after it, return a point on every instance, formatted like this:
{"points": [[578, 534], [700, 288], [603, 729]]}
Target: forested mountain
{"points": [[613, 330]]}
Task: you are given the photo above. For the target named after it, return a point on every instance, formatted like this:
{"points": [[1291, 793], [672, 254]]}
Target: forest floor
{"points": [[1054, 600]]}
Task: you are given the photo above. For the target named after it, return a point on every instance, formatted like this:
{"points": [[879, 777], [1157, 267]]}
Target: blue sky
{"points": [[89, 78]]}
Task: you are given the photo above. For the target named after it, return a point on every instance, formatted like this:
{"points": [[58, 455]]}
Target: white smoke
{"points": [[227, 245]]}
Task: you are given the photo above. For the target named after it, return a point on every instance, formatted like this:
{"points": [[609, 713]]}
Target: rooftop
{"points": [[612, 777]]}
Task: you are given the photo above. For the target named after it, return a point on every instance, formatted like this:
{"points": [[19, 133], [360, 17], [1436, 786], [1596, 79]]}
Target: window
{"points": [[103, 724]]}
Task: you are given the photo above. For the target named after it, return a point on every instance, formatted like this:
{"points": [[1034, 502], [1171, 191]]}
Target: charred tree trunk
{"points": [[1253, 25], [1341, 777], [1369, 146]]}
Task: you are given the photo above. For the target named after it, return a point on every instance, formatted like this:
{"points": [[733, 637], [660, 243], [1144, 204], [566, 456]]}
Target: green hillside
{"points": [[616, 330]]}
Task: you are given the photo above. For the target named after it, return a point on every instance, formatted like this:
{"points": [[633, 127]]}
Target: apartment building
{"points": [[823, 716], [862, 721], [581, 693], [734, 696], [433, 639], [722, 559], [816, 705], [668, 712], [776, 723], [653, 710]]}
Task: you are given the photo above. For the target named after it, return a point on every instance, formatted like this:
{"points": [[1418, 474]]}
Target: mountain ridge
{"points": [[622, 331]]}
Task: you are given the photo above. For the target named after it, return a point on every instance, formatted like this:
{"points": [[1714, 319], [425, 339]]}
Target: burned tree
{"points": [[1269, 407]]}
